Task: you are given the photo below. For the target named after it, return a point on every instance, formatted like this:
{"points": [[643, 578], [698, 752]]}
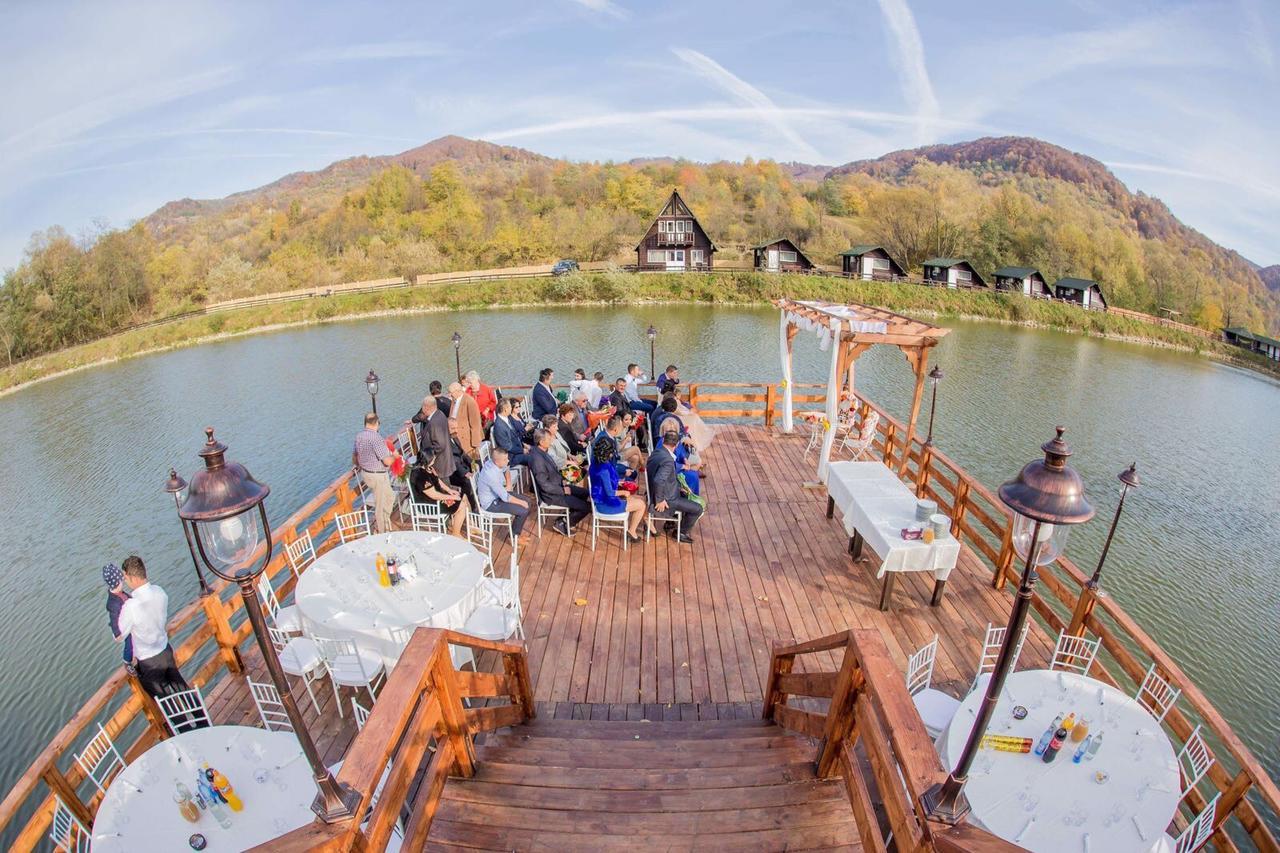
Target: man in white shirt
{"points": [[635, 376], [143, 618]]}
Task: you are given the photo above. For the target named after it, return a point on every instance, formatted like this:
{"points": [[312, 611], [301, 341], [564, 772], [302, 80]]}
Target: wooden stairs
{"points": [[570, 785]]}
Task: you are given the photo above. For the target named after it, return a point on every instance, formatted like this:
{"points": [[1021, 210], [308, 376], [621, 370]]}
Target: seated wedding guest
{"points": [[584, 386], [618, 399], [116, 597], [568, 430], [491, 491], [667, 410], [551, 485], [664, 489], [634, 377], [606, 491], [544, 398], [600, 392], [580, 411], [508, 433], [485, 399], [435, 389], [616, 430], [559, 449], [429, 487], [669, 379]]}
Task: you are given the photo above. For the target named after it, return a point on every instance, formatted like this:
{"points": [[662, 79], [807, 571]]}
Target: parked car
{"points": [[564, 267]]}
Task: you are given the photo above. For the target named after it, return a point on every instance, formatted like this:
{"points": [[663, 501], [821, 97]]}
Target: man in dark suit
{"points": [[507, 433], [435, 389], [544, 400], [433, 438], [664, 488], [618, 399], [551, 486]]}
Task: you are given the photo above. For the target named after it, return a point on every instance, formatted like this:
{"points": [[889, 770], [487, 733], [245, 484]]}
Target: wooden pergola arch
{"points": [[849, 330]]}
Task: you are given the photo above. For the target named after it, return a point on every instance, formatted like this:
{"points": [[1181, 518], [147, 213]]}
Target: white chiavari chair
{"points": [[184, 710], [350, 666], [100, 760], [1155, 694], [1074, 654], [300, 658], [353, 525], [285, 617], [270, 709], [935, 707], [301, 553]]}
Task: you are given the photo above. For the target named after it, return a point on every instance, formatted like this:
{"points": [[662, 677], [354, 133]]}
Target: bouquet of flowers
{"points": [[630, 486], [573, 473], [399, 469]]}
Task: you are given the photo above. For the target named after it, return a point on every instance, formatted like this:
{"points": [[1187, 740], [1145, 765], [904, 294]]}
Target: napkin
{"points": [[1025, 828]]}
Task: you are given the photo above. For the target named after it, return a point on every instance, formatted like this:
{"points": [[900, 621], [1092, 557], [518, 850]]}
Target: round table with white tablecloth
{"points": [[266, 769], [1053, 807], [339, 596]]}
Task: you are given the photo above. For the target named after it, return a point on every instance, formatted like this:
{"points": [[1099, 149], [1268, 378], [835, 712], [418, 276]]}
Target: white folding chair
{"points": [[353, 525], [360, 712], [427, 517], [270, 709], [459, 655], [286, 618], [935, 707], [1197, 833], [1074, 654], [1194, 760], [607, 521], [184, 710], [494, 519], [1155, 694], [100, 760], [350, 666], [866, 436], [991, 652], [66, 831], [301, 553], [480, 532], [500, 617], [300, 658], [549, 511]]}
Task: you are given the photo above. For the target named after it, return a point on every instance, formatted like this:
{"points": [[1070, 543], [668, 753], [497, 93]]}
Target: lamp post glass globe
{"points": [[230, 543], [1051, 539], [371, 382]]}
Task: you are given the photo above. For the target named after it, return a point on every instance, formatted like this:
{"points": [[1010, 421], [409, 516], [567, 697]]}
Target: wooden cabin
{"points": [[1083, 291], [780, 255], [870, 262], [1245, 339], [1026, 280], [953, 272], [675, 241]]}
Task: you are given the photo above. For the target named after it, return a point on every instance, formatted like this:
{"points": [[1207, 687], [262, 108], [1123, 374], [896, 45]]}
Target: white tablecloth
{"points": [[876, 504], [138, 811], [1006, 790], [339, 596]]}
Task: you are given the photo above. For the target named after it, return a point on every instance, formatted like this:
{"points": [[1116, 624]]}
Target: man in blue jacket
{"points": [[544, 399], [506, 433]]}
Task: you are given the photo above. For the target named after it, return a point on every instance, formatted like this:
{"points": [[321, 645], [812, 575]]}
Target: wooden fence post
{"points": [[452, 713], [1005, 559], [959, 506], [1083, 609], [769, 403], [155, 719], [890, 432], [926, 465], [779, 666], [59, 785], [220, 620], [517, 667]]}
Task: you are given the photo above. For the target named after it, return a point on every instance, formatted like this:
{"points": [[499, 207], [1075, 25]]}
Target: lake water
{"points": [[1195, 558]]}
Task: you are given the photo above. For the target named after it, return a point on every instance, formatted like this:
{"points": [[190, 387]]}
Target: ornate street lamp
{"points": [[1047, 498], [226, 512], [1129, 480], [457, 358], [175, 485], [934, 375], [653, 365], [371, 383]]}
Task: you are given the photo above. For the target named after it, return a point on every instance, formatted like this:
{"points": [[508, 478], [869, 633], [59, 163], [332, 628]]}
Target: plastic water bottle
{"points": [[1095, 741], [1048, 735], [1080, 750]]}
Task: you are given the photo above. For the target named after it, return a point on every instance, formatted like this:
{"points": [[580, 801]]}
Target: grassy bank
{"points": [[607, 287]]}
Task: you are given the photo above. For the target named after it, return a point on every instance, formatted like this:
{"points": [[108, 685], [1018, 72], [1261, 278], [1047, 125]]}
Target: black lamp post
{"points": [[457, 357], [934, 375], [371, 383], [1047, 497], [1129, 480], [175, 486], [653, 364], [225, 511]]}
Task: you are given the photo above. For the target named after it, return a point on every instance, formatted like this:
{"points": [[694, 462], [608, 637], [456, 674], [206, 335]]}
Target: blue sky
{"points": [[111, 109]]}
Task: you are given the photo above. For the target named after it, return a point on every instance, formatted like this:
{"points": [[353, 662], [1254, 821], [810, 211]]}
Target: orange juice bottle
{"points": [[384, 577], [1070, 722], [228, 793]]}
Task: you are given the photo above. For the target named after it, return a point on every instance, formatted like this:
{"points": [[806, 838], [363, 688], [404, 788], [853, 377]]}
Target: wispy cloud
{"points": [[375, 51], [908, 58], [605, 7], [725, 80], [1256, 33], [155, 161]]}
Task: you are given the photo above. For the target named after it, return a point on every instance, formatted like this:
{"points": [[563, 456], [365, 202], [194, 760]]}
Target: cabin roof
{"points": [[789, 242], [1077, 283], [945, 262], [1015, 272], [862, 250], [1241, 332]]}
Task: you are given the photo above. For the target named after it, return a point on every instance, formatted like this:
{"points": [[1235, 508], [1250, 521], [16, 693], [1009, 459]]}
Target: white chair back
{"points": [[1155, 694], [267, 699], [268, 595], [352, 525], [301, 553], [920, 667], [100, 760], [184, 710], [1074, 654], [360, 712], [1194, 760], [279, 638], [1198, 833], [485, 450], [427, 517], [344, 655], [66, 831], [991, 644]]}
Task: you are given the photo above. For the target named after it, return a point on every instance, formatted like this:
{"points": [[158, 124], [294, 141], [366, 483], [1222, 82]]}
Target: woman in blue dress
{"points": [[606, 495]]}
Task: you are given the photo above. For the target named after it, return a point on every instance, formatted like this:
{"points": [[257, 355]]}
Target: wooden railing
{"points": [[1064, 603], [208, 636], [869, 705], [418, 735]]}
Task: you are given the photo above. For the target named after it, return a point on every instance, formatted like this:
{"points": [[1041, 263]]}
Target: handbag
{"points": [[688, 493]]}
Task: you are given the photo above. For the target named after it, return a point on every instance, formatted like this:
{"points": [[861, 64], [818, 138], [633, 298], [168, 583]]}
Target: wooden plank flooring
{"points": [[685, 632]]}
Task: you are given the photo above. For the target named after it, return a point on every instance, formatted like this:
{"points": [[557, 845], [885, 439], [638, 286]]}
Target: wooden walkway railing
{"points": [[1065, 603], [870, 706], [418, 735]]}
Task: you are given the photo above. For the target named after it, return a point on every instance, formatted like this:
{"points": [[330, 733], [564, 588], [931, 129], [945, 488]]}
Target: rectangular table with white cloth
{"points": [[876, 506]]}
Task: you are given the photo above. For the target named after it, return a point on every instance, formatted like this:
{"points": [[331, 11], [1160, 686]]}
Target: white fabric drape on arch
{"points": [[788, 416], [833, 402]]}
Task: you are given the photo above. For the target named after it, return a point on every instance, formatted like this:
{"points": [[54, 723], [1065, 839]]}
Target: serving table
{"points": [[1120, 800], [875, 506], [266, 769], [339, 596]]}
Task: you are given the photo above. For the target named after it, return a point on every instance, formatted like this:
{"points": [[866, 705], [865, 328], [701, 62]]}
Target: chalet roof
{"points": [[861, 250], [862, 323], [1015, 272], [675, 206], [945, 262], [1077, 283], [1241, 332]]}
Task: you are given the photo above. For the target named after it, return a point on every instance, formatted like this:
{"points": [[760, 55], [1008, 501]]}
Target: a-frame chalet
{"points": [[675, 241]]}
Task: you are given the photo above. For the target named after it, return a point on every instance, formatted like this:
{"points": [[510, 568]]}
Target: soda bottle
{"points": [[1055, 744], [228, 793], [1048, 735], [1080, 751], [384, 579], [186, 808], [393, 569]]}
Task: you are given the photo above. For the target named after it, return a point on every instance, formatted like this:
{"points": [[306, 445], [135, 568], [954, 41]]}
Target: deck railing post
{"points": [[452, 713], [779, 666], [889, 433], [959, 505], [219, 618], [155, 720], [59, 785], [1005, 560], [769, 403], [926, 468], [840, 715], [1083, 609], [517, 668]]}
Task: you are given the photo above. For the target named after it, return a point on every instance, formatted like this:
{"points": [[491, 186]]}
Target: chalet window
{"points": [[695, 256], [879, 263], [657, 256], [787, 257], [963, 275], [662, 226]]}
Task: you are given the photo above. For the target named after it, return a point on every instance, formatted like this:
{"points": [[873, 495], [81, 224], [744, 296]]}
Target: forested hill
{"points": [[462, 204]]}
